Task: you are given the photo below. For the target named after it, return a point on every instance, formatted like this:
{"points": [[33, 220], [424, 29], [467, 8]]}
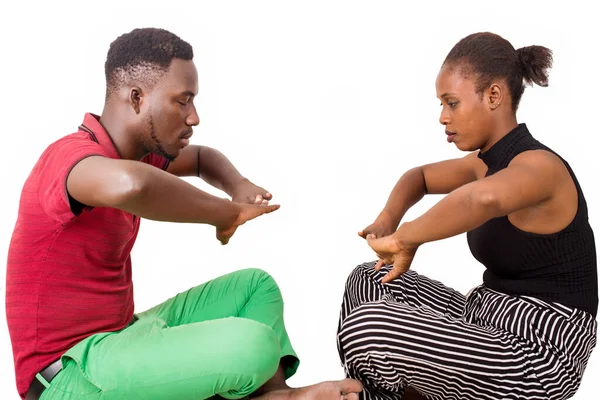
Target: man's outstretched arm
{"points": [[215, 168], [151, 193]]}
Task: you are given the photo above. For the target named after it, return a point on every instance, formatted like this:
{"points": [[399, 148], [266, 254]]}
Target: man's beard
{"points": [[158, 147]]}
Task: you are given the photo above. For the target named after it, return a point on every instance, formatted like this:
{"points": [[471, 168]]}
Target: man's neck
{"points": [[121, 133]]}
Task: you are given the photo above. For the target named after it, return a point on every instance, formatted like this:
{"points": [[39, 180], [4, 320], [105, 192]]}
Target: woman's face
{"points": [[465, 113]]}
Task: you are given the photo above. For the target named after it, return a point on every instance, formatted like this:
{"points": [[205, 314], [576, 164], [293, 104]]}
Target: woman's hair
{"points": [[487, 56]]}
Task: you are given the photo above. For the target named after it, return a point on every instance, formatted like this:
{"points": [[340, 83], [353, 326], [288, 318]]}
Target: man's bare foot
{"points": [[346, 389]]}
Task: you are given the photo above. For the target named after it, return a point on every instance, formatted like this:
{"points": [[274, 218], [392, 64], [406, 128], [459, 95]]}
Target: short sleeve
{"points": [[157, 161], [54, 167]]}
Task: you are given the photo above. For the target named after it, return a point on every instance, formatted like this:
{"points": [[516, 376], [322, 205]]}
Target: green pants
{"points": [[224, 337]]}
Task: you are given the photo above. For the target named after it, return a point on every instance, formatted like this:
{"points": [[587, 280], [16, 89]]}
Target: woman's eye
{"points": [[452, 104]]}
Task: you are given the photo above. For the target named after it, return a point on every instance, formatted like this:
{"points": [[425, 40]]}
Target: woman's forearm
{"points": [[409, 189], [461, 211]]}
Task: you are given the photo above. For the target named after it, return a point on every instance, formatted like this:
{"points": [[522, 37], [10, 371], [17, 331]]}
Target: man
{"points": [[69, 294]]}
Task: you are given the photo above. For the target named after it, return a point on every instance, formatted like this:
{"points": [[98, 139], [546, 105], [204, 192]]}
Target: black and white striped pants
{"points": [[417, 332]]}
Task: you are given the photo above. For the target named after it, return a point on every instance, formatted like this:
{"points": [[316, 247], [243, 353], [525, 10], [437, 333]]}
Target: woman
{"points": [[527, 332]]}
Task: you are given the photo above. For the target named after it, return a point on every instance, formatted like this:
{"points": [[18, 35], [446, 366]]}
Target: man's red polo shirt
{"points": [[68, 276]]}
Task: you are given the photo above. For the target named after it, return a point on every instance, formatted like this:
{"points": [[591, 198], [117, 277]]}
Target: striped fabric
{"points": [[417, 332]]}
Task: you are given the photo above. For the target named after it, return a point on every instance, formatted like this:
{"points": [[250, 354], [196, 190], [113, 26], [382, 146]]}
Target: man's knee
{"points": [[257, 351], [256, 277], [259, 282]]}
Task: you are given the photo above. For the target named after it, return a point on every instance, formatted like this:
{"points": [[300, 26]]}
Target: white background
{"points": [[324, 104]]}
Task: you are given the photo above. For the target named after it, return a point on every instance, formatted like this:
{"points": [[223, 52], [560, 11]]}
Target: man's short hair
{"points": [[142, 55]]}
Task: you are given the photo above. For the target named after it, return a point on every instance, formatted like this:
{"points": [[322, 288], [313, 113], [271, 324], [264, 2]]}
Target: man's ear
{"points": [[136, 98]]}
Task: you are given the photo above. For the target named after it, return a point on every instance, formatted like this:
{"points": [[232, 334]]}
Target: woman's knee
{"points": [[360, 274], [368, 327], [362, 284], [356, 333]]}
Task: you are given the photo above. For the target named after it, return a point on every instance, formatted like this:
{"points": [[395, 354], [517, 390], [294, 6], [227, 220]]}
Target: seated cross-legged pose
{"points": [[528, 331], [69, 290]]}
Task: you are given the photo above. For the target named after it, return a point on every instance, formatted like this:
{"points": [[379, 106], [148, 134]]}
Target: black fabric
{"points": [[35, 390], [48, 373], [559, 267]]}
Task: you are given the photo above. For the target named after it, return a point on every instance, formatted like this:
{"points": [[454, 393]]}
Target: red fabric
{"points": [[67, 276]]}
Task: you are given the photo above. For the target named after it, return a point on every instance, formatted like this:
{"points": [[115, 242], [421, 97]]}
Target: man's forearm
{"points": [[409, 189], [159, 196], [461, 211], [217, 170]]}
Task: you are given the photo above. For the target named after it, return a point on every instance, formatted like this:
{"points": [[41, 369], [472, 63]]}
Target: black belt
{"points": [[48, 373]]}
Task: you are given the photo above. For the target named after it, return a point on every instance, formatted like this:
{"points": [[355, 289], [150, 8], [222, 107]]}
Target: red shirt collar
{"points": [[91, 124]]}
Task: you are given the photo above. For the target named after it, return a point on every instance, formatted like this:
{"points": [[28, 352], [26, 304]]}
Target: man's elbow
{"points": [[128, 187]]}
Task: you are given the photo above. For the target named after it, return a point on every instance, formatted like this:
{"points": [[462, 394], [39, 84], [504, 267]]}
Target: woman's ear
{"points": [[494, 96]]}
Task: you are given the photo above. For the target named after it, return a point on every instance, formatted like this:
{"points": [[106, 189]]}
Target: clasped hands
{"points": [[390, 247], [252, 201]]}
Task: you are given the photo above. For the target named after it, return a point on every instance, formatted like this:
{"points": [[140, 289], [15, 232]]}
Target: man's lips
{"points": [[187, 135], [185, 138]]}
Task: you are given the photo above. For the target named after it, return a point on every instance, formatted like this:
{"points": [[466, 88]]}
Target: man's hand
{"points": [[246, 213], [383, 226], [392, 250], [248, 193]]}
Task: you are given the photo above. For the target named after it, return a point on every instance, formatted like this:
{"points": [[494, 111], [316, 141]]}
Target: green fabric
{"points": [[224, 337]]}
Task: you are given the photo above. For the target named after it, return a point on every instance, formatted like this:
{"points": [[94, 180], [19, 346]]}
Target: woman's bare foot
{"points": [[346, 389]]}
